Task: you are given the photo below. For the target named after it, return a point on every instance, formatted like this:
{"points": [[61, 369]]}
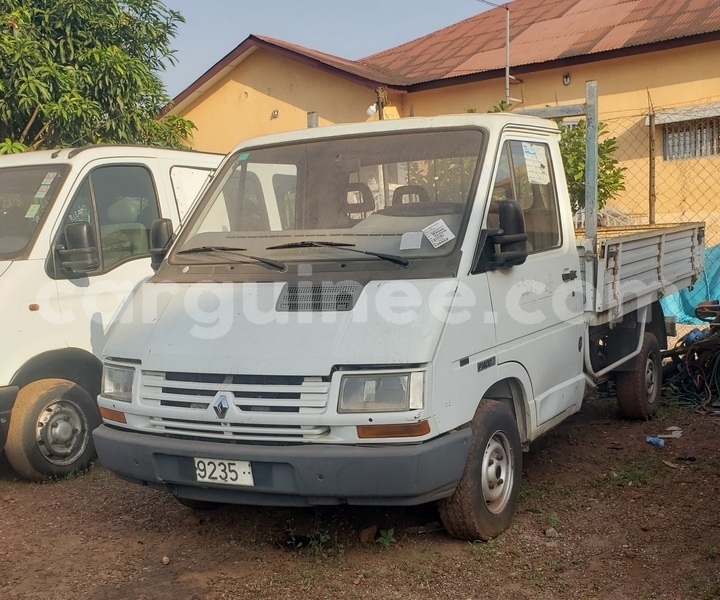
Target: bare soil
{"points": [[603, 514]]}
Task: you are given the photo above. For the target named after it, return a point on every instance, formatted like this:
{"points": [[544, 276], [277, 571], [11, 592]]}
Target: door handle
{"points": [[569, 276]]}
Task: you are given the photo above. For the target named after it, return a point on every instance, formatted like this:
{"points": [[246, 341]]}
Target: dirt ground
{"points": [[603, 514]]}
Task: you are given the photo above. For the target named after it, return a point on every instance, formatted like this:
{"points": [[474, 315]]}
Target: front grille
{"points": [[318, 297], [268, 408]]}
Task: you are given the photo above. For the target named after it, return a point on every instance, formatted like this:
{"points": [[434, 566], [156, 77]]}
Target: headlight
{"points": [[381, 393], [117, 383]]}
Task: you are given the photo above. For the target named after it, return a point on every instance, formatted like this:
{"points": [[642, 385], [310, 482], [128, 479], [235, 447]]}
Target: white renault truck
{"points": [[56, 303], [382, 313]]}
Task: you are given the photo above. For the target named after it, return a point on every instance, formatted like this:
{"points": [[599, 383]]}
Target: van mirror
{"points": [[80, 253], [161, 234], [506, 245], [512, 238]]}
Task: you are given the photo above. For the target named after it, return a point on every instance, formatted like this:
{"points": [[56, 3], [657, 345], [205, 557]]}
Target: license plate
{"points": [[228, 472]]}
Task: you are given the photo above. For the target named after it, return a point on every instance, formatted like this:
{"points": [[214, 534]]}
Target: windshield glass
{"points": [[26, 194], [399, 195]]}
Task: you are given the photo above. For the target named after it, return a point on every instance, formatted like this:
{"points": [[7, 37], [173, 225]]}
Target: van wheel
{"points": [[50, 432], [638, 390], [486, 496]]}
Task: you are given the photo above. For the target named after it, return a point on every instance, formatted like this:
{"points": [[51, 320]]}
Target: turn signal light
{"points": [[399, 430], [112, 415]]}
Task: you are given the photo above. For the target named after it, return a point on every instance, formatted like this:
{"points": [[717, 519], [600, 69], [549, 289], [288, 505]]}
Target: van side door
{"points": [[120, 201]]}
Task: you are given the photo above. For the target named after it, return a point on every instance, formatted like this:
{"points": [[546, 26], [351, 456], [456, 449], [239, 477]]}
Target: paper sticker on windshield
{"points": [[438, 233], [536, 163], [411, 240], [243, 156], [32, 211], [42, 192], [49, 178]]}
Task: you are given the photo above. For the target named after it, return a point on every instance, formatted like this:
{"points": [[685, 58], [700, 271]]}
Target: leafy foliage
{"points": [[610, 177], [74, 72]]}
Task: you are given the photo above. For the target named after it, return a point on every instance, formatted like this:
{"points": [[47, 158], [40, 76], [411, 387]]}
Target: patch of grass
{"points": [[483, 550], [321, 542], [633, 474], [554, 522], [712, 590]]}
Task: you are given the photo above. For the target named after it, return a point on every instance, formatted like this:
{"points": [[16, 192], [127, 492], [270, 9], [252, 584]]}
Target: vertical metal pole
{"points": [[312, 119], [507, 57], [651, 182], [591, 161]]}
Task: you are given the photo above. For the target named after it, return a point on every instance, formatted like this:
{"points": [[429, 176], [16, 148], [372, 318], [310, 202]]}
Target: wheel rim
{"points": [[650, 378], [498, 471], [61, 432]]}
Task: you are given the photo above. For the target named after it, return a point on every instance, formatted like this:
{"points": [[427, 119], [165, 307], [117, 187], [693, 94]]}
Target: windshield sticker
{"points": [[536, 163], [438, 233], [411, 240], [243, 156], [49, 178], [42, 192], [32, 211]]}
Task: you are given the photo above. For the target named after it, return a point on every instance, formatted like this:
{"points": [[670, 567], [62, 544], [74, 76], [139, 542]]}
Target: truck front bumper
{"points": [[7, 401], [296, 475]]}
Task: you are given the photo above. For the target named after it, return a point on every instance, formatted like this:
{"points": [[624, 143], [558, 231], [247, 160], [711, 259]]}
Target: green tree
{"points": [[610, 177], [74, 72]]}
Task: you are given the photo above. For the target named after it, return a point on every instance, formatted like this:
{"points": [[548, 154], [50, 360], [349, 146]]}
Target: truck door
{"points": [[120, 202], [538, 305]]}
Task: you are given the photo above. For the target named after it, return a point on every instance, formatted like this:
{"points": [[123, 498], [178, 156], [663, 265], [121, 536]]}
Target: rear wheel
{"points": [[638, 390], [486, 496], [50, 432]]}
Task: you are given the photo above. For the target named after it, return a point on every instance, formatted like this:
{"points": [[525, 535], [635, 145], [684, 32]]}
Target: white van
{"points": [[56, 304], [389, 318]]}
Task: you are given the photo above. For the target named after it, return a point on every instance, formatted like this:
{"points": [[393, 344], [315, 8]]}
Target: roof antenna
{"points": [[507, 48]]}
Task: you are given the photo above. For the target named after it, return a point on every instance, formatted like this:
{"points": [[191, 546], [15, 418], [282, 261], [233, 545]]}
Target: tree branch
{"points": [[29, 124]]}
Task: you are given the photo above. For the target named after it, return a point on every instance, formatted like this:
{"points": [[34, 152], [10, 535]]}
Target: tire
{"points": [[50, 432], [638, 390], [484, 501], [198, 504]]}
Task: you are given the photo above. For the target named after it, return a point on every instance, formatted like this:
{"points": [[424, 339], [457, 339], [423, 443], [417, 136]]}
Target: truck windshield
{"points": [[26, 194], [401, 195]]}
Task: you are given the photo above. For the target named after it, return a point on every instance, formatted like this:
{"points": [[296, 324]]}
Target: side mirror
{"points": [[80, 254], [161, 234], [505, 246], [513, 239]]}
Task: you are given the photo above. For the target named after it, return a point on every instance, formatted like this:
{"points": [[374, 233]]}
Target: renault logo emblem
{"points": [[221, 406]]}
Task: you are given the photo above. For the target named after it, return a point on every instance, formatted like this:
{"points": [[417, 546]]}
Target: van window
{"points": [[524, 173], [121, 203], [26, 195]]}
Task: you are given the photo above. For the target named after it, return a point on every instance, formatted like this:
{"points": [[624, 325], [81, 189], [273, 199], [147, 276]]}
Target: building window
{"points": [[691, 139]]}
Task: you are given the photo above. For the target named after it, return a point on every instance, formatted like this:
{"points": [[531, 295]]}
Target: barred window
{"points": [[691, 139]]}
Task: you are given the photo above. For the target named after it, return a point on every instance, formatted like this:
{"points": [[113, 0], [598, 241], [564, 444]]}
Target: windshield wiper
{"points": [[398, 260], [273, 264]]}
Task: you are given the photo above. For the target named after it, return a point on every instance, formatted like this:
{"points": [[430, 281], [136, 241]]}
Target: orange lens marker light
{"points": [[365, 432], [112, 415], [34, 307]]}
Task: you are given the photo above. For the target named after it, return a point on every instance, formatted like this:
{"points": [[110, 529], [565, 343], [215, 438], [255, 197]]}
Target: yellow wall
{"points": [[241, 105]]}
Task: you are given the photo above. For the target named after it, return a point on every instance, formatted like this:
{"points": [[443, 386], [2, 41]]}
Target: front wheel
{"points": [[638, 390], [486, 496], [50, 432]]}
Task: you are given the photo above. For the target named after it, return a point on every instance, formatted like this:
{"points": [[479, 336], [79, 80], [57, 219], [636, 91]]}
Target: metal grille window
{"points": [[691, 139]]}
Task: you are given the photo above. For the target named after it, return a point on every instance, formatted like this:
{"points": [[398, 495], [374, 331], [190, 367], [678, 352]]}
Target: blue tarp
{"points": [[682, 304]]}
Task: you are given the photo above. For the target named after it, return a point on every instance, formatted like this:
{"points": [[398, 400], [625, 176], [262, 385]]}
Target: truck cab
{"points": [[58, 298]]}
